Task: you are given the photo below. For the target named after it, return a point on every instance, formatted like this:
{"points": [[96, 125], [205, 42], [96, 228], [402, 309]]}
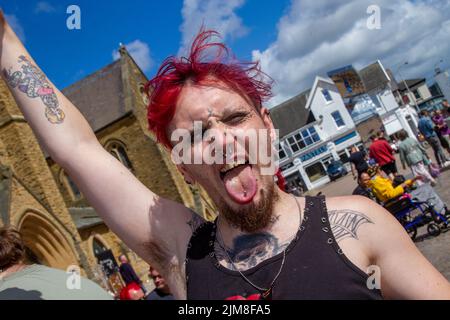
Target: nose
{"points": [[221, 136]]}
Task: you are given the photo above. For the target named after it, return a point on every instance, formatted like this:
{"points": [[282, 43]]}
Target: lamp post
{"points": [[406, 85]]}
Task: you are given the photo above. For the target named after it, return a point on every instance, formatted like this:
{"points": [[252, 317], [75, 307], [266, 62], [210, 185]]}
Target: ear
{"points": [[187, 177], [265, 115]]}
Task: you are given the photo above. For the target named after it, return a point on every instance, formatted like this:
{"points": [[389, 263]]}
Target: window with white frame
{"points": [[303, 139], [281, 152], [326, 94], [338, 119]]}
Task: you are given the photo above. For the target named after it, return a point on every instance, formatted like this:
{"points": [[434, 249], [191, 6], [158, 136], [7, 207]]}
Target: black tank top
{"points": [[315, 267]]}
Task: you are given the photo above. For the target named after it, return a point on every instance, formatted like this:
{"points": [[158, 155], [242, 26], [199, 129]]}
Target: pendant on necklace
{"points": [[267, 295]]}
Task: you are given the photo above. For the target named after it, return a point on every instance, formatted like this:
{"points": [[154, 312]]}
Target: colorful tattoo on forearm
{"points": [[33, 83]]}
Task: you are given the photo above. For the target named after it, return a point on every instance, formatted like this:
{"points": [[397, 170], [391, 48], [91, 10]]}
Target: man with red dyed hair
{"points": [[265, 243]]}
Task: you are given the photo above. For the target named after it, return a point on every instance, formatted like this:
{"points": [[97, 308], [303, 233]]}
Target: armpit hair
{"points": [[168, 266], [159, 255]]}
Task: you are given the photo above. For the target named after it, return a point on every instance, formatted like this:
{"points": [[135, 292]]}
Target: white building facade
{"points": [[379, 88], [327, 133], [394, 117]]}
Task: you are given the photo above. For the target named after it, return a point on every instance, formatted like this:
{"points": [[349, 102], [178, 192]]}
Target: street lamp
{"points": [[406, 85]]}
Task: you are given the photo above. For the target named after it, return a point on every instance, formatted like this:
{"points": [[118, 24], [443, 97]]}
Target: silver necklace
{"points": [[265, 292]]}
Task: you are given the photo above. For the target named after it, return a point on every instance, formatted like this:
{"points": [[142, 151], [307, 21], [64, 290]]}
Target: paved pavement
{"points": [[436, 249]]}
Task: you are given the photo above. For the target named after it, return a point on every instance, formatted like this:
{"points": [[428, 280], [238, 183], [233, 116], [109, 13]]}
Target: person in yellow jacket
{"points": [[382, 187]]}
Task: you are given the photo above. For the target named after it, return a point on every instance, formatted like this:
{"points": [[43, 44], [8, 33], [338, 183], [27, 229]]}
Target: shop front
{"points": [[309, 169]]}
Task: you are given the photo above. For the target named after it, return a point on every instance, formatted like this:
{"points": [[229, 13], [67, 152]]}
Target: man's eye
{"points": [[236, 118]]}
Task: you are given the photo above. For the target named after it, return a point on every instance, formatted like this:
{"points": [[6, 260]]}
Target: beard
{"points": [[255, 216]]}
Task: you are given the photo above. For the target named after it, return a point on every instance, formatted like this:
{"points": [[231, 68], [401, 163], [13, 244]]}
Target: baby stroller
{"points": [[413, 214]]}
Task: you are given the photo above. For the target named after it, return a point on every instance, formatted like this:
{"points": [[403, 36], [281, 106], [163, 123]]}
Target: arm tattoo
{"points": [[195, 222], [33, 83], [345, 223], [249, 250]]}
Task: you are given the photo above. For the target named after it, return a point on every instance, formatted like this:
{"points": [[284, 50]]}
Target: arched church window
{"points": [[98, 247], [119, 152]]}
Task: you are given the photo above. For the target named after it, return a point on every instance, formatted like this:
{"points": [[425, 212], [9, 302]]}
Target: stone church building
{"points": [[58, 225]]}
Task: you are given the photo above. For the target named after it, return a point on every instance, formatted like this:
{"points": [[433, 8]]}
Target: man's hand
{"points": [[410, 182]]}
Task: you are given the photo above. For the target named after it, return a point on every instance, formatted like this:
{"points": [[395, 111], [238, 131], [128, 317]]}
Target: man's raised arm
{"points": [[155, 228]]}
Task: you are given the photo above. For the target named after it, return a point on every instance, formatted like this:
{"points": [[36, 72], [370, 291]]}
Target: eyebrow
{"points": [[227, 111]]}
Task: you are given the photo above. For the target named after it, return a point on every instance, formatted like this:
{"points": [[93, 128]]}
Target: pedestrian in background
{"points": [[128, 274], [415, 156], [363, 188], [442, 130], [358, 160], [22, 281], [383, 188], [426, 128], [446, 107], [381, 151], [162, 290]]}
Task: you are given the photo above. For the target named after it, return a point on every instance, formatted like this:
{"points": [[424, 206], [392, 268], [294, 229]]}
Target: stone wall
{"points": [[35, 189]]}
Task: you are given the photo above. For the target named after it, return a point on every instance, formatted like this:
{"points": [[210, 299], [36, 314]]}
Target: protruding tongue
{"points": [[240, 184]]}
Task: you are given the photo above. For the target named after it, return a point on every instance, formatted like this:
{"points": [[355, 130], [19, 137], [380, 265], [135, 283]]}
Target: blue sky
{"points": [[294, 39], [68, 55]]}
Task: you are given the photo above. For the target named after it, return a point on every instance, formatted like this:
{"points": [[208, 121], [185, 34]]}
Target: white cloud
{"points": [[44, 6], [212, 14], [140, 52], [16, 26], [316, 36]]}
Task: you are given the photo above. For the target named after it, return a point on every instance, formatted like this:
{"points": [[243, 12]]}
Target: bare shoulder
{"points": [[357, 205], [370, 235], [347, 216], [365, 223], [195, 221]]}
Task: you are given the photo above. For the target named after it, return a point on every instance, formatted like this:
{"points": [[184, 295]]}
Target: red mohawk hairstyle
{"points": [[163, 90]]}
